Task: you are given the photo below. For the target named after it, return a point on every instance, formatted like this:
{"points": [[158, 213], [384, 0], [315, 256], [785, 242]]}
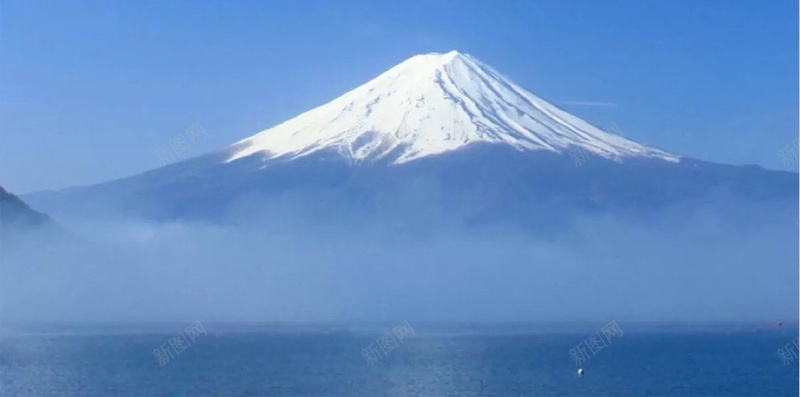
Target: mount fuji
{"points": [[439, 136], [433, 104], [439, 190]]}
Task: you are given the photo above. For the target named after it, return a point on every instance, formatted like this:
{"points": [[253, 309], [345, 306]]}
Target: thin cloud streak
{"points": [[589, 103]]}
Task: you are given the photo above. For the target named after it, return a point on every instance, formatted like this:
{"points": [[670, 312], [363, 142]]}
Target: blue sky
{"points": [[88, 90]]}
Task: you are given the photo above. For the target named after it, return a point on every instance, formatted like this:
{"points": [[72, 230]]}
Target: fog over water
{"points": [[277, 264]]}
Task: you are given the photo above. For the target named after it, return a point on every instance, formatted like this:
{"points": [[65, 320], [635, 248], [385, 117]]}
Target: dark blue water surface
{"points": [[315, 361]]}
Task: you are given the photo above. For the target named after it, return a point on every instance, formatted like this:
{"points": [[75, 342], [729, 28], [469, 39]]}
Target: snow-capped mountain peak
{"points": [[431, 104]]}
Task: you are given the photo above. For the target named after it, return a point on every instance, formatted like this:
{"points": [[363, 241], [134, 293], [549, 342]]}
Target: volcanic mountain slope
{"points": [[438, 133], [432, 104]]}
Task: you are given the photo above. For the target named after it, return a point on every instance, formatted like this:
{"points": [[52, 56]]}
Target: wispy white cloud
{"points": [[591, 103]]}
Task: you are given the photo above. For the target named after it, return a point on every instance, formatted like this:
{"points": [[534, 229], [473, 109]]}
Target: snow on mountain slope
{"points": [[431, 104]]}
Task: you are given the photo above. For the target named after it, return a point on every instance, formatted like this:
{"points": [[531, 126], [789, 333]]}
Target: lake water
{"points": [[238, 360]]}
